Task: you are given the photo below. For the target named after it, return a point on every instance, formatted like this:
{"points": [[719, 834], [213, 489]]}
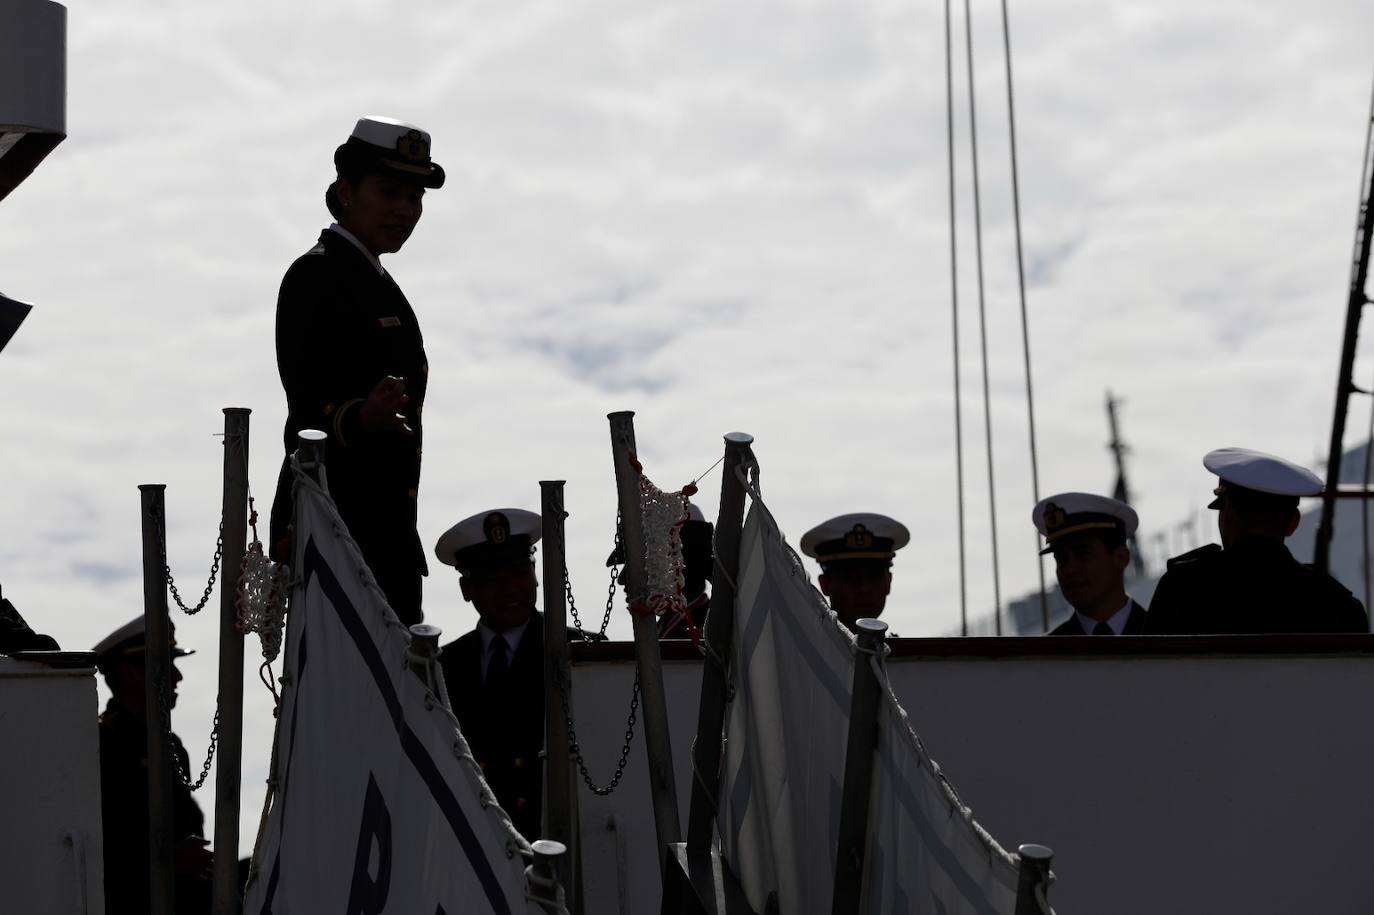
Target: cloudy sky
{"points": [[724, 216]]}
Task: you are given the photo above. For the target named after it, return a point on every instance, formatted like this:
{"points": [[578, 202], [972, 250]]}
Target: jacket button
{"points": [[518, 762], [520, 803], [413, 493]]}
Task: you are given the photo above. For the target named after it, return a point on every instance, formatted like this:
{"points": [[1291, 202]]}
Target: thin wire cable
{"points": [[1369, 441], [708, 470], [1364, 506], [954, 296], [982, 314], [1025, 323]]}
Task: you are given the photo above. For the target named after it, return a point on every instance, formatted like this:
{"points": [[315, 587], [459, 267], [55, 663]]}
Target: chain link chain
{"points": [[576, 748], [185, 776], [610, 589], [167, 569], [573, 746]]}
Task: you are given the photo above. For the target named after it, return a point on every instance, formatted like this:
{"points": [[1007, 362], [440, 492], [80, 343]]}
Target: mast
{"points": [[1345, 384], [1119, 491]]}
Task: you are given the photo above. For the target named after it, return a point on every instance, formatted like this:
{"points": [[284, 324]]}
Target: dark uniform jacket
{"points": [[124, 808], [503, 724], [341, 328], [1254, 586], [1135, 623]]}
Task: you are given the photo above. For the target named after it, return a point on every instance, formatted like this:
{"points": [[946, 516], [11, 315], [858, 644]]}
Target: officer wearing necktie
{"points": [[1252, 583], [495, 673], [1087, 535]]}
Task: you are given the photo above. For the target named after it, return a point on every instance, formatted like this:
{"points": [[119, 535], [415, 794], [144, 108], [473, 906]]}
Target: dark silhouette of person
{"points": [[1088, 536], [1252, 583], [352, 359], [855, 554], [124, 786], [495, 673]]}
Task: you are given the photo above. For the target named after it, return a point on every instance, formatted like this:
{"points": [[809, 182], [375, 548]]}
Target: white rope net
{"points": [[663, 514], [261, 599]]}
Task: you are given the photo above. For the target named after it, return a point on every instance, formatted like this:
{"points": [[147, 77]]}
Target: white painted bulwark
{"points": [[33, 86], [50, 844], [1163, 783], [1162, 776]]}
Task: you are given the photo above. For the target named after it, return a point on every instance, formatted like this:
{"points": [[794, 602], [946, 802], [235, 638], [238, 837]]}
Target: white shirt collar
{"points": [[512, 637], [1117, 620], [372, 258]]}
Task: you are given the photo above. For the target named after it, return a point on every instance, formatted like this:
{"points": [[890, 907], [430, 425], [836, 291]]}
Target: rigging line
{"points": [[982, 313], [1025, 323], [1364, 507], [708, 470], [1364, 225], [954, 294]]}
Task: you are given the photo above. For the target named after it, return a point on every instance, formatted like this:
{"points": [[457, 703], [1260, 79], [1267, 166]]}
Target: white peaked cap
{"points": [[1067, 513], [1262, 472], [491, 531], [384, 132], [861, 535]]}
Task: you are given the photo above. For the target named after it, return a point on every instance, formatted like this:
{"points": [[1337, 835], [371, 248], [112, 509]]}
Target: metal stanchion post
{"points": [[560, 790], [228, 768], [667, 826], [858, 770], [1034, 875], [542, 876], [157, 669], [720, 621]]}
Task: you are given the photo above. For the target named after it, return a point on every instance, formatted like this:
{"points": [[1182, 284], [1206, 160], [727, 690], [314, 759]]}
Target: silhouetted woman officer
{"points": [[352, 359]]}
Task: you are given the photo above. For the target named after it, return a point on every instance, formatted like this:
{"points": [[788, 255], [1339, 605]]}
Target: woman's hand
{"points": [[381, 412]]}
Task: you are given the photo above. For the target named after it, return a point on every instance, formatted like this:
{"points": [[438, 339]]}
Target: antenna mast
{"points": [[1119, 492]]}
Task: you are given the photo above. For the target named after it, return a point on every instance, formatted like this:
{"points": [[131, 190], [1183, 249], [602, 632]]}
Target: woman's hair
{"points": [[352, 166]]}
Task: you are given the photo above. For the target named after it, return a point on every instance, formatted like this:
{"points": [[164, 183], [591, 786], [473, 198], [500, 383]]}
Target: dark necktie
{"points": [[499, 664], [1103, 629]]}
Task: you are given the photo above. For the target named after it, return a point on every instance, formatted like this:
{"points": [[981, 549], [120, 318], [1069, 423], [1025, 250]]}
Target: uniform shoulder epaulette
{"points": [[1201, 554]]}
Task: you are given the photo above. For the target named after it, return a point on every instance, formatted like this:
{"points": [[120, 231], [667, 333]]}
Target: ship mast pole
{"points": [[1121, 492], [1345, 385]]}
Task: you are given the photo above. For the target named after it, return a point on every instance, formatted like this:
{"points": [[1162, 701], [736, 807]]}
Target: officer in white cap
{"points": [[855, 554], [1088, 535], [124, 783], [495, 673], [1252, 583], [351, 357]]}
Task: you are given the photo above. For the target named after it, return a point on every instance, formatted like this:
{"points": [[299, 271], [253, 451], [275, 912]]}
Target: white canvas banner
{"points": [[925, 852], [378, 807], [792, 669]]}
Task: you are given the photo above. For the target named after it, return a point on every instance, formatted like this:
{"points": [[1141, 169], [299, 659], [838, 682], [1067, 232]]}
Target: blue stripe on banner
{"points": [[740, 792], [424, 764], [968, 887], [806, 647], [749, 639]]}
